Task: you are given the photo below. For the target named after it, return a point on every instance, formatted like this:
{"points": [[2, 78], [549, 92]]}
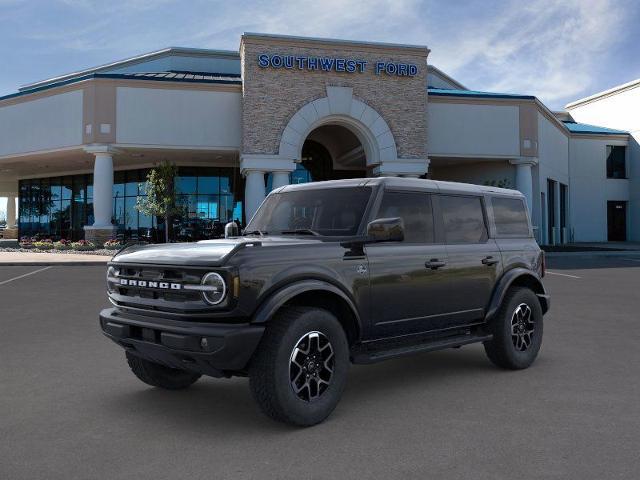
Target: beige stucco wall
{"points": [[178, 117], [45, 123], [478, 172], [272, 96], [473, 129]]}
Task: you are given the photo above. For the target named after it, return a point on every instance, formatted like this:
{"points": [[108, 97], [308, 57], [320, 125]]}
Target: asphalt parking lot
{"points": [[70, 408]]}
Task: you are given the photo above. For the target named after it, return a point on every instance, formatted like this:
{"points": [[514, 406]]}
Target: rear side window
{"points": [[463, 219], [415, 211], [510, 216]]}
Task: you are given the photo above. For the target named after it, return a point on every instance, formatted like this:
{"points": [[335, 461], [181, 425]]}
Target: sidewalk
{"points": [[33, 259], [603, 249]]}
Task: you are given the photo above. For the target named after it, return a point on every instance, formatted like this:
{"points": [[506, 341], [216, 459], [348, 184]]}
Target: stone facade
{"points": [[272, 96], [98, 236]]}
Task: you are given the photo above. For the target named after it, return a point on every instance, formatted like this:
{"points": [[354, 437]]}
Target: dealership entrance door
{"points": [[617, 221], [332, 152]]}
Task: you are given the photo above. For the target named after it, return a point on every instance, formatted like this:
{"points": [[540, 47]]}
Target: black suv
{"points": [[330, 273]]}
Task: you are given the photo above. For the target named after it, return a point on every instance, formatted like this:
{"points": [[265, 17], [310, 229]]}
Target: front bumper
{"points": [[213, 349]]}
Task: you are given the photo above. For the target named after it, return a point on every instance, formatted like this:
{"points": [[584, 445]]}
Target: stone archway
{"points": [[339, 107]]}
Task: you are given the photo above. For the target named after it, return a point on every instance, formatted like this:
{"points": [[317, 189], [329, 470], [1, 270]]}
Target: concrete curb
{"points": [[595, 253]]}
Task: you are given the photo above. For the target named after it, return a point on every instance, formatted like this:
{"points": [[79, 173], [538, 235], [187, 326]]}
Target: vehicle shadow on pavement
{"points": [[228, 405]]}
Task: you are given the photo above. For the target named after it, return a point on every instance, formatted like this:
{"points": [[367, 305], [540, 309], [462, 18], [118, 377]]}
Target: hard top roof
{"points": [[417, 183]]}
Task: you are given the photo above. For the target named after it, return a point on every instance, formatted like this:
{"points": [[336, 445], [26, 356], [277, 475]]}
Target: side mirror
{"points": [[231, 230], [386, 230]]}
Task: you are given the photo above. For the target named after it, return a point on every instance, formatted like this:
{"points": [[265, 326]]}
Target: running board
{"points": [[378, 355]]}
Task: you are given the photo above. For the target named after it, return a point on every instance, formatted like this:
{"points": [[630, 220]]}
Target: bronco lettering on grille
{"points": [[146, 284]]}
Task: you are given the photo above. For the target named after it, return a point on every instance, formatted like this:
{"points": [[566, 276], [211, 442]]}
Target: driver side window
{"points": [[415, 210]]}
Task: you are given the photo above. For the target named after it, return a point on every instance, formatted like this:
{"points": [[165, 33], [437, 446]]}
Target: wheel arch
{"points": [[314, 293], [517, 277]]}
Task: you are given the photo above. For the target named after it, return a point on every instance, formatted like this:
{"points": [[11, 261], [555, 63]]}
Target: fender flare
{"points": [[507, 280], [281, 296]]}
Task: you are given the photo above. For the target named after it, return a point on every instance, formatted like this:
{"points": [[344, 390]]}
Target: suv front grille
{"points": [[162, 289], [159, 275]]}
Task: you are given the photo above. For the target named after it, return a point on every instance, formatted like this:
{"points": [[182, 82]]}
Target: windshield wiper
{"points": [[255, 232], [300, 231]]}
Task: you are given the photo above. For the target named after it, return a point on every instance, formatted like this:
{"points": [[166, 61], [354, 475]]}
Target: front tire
{"points": [[160, 376], [517, 330], [299, 370]]}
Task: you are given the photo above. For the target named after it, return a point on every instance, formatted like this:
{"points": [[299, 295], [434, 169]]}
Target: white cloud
{"points": [[545, 48], [548, 48]]}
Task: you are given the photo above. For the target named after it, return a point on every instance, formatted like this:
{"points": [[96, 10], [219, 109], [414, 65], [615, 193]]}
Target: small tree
{"points": [[504, 183], [161, 200]]}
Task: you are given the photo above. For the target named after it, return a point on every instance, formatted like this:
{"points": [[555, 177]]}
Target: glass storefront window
{"points": [[59, 207]]}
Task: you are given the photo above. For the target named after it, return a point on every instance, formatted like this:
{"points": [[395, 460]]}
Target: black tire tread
{"points": [[262, 364], [495, 350]]}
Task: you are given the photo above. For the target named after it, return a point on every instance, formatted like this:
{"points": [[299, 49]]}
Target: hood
{"points": [[204, 253]]}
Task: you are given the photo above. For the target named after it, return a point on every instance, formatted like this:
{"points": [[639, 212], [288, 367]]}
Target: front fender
{"points": [[281, 296], [528, 278]]}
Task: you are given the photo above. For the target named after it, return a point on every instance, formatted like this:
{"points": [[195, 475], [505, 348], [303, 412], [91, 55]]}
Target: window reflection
{"points": [[59, 207]]}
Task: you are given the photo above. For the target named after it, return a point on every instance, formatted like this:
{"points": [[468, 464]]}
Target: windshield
{"points": [[333, 212]]}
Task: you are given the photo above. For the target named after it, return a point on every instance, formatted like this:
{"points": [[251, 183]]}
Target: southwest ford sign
{"points": [[334, 64]]}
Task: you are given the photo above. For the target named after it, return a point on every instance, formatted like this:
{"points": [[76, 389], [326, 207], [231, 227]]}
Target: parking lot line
{"points": [[562, 274], [25, 275]]}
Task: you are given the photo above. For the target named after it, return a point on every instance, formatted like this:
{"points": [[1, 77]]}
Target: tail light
{"points": [[543, 264]]}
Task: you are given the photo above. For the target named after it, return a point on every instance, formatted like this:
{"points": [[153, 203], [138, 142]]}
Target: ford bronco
{"points": [[327, 274]]}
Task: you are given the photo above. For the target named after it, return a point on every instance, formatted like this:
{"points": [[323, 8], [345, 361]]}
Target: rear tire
{"points": [[299, 370], [160, 376], [517, 330]]}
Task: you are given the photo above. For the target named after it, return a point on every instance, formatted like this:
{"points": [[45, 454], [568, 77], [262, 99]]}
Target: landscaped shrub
{"points": [[62, 245], [46, 244], [26, 242], [113, 244], [83, 245]]}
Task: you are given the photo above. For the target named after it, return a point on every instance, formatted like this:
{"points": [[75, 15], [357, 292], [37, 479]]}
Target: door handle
{"points": [[489, 260], [434, 264]]}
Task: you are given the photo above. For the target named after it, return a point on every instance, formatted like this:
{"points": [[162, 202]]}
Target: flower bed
{"points": [[54, 251], [42, 245], [113, 245], [63, 245], [83, 245]]}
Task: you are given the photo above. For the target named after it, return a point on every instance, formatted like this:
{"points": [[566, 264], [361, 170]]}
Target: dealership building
{"points": [[75, 149]]}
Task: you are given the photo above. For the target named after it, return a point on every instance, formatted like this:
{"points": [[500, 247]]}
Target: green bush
{"points": [[62, 245], [83, 245], [43, 244]]}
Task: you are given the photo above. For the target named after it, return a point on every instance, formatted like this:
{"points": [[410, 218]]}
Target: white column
{"points": [[103, 190], [524, 179], [402, 167], [254, 191], [253, 167], [11, 211], [280, 179]]}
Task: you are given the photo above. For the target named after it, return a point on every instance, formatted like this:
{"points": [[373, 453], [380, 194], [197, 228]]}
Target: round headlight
{"points": [[215, 290], [112, 273]]}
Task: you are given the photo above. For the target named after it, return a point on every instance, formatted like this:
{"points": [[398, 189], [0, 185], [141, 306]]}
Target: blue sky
{"points": [[557, 50]]}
